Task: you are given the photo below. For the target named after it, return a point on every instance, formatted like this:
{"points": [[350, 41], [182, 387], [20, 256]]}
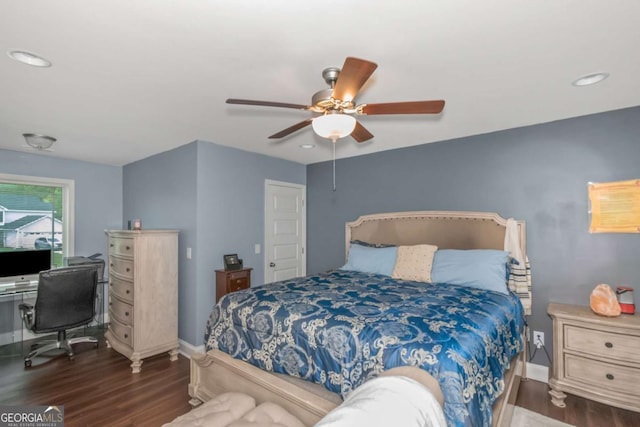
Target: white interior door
{"points": [[285, 231]]}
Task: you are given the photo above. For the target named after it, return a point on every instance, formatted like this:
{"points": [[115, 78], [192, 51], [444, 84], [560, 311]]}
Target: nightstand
{"points": [[595, 357], [231, 281]]}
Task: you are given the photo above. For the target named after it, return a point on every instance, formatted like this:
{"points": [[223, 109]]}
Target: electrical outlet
{"points": [[538, 339]]}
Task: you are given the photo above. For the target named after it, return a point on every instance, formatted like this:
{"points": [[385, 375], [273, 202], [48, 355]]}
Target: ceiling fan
{"points": [[337, 104]]}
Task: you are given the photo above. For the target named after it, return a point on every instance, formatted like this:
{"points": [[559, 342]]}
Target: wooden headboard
{"points": [[445, 229]]}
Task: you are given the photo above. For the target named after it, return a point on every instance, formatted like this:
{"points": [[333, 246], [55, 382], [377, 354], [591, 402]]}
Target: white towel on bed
{"points": [[512, 241], [520, 274], [387, 401]]}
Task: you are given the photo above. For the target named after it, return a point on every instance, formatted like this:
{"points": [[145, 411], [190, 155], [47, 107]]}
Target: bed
{"points": [[393, 313]]}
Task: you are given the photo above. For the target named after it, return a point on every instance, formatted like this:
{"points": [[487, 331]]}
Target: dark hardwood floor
{"points": [[98, 389], [580, 412]]}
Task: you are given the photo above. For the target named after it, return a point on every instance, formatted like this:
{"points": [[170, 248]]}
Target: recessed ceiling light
{"points": [[307, 146], [29, 58], [590, 79]]}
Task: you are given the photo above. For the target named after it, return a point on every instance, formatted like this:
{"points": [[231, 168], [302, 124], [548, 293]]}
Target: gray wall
{"points": [[538, 174], [215, 196], [98, 199], [161, 191], [98, 193]]}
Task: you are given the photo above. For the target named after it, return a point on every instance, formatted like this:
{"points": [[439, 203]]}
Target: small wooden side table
{"points": [[232, 280]]}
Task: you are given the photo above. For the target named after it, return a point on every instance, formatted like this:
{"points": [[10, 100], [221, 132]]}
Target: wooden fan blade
{"points": [[354, 73], [266, 103], [360, 133], [414, 107], [291, 129]]}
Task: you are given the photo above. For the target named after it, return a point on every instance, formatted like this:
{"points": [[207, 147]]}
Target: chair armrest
{"points": [[26, 313], [25, 307]]}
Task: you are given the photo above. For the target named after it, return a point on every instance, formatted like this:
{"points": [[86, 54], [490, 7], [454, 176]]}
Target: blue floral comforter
{"points": [[343, 327]]}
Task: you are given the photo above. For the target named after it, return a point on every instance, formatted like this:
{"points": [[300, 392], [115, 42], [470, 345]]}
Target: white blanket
{"points": [[387, 401]]}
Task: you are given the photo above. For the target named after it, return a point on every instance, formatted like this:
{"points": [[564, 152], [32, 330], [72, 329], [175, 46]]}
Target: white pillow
{"points": [[414, 263]]}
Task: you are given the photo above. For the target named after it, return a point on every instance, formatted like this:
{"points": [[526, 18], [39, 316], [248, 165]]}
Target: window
{"points": [[37, 213]]}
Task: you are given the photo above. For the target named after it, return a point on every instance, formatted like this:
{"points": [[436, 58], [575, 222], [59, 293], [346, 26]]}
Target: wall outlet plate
{"points": [[538, 339]]}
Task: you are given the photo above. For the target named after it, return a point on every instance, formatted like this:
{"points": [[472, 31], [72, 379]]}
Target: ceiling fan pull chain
{"points": [[334, 165]]}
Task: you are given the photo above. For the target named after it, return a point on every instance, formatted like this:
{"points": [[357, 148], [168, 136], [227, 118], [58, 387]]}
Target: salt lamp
{"points": [[603, 301]]}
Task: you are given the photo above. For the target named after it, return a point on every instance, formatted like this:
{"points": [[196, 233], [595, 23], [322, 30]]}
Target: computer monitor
{"points": [[23, 266]]}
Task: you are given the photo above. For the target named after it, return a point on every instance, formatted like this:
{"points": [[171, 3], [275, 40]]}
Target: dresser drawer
{"points": [[599, 343], [122, 311], [602, 375], [123, 333], [121, 246], [123, 289], [123, 267]]}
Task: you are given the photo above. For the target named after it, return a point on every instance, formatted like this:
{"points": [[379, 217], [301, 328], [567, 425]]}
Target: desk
{"points": [[12, 330]]}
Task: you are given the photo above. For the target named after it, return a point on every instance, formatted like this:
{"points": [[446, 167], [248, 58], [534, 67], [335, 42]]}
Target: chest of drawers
{"points": [[143, 294], [595, 357], [232, 280]]}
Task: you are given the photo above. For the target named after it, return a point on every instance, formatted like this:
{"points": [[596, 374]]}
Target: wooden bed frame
{"points": [[216, 372]]}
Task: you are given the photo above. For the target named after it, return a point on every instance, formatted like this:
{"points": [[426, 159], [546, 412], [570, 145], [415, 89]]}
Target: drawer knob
{"points": [[609, 376], [272, 264], [128, 247], [111, 245], [111, 265], [128, 291], [126, 335], [128, 269], [126, 313], [608, 345]]}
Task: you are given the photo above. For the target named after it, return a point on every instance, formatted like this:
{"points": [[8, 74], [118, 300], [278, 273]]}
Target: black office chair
{"points": [[66, 299]]}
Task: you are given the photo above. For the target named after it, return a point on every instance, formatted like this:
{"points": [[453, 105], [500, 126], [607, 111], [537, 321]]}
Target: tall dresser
{"points": [[143, 294]]}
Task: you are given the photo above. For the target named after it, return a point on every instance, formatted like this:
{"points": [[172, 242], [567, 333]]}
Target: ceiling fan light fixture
{"points": [[334, 125], [38, 141]]}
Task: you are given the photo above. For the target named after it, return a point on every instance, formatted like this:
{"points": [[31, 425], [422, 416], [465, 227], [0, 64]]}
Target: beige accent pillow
{"points": [[414, 263]]}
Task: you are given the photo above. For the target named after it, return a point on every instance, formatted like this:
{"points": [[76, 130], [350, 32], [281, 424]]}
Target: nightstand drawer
{"points": [[237, 275], [599, 343], [123, 267], [122, 288], [122, 332], [603, 375], [237, 284]]}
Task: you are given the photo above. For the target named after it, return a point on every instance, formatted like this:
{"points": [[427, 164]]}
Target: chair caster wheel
{"points": [[27, 363]]}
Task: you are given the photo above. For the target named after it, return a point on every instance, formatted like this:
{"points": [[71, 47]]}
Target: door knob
{"points": [[272, 264]]}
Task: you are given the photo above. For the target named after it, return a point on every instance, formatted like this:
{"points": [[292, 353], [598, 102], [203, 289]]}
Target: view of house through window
{"points": [[31, 217]]}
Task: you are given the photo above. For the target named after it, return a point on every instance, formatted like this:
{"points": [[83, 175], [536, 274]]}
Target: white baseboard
{"points": [[186, 349], [538, 372]]}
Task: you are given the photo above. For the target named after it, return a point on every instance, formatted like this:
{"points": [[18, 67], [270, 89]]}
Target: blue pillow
{"points": [[477, 268], [371, 260]]}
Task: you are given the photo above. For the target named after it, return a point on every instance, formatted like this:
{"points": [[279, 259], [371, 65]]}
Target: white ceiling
{"points": [[131, 78]]}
